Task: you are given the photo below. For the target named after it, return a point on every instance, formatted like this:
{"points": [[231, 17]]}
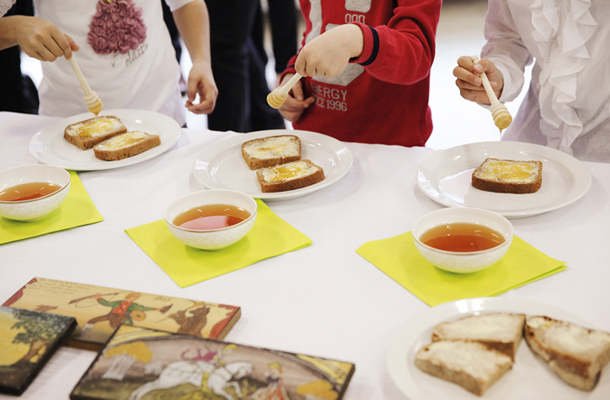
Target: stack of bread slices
{"points": [[278, 164], [109, 138], [477, 350]]}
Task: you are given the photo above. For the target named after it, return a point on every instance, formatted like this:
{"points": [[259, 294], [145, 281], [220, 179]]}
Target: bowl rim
{"points": [[8, 202], [508, 238], [252, 214]]}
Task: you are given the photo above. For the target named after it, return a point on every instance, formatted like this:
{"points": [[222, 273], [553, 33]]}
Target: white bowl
{"points": [[214, 239], [463, 262], [34, 209]]}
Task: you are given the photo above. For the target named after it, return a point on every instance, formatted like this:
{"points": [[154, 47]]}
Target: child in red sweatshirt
{"points": [[366, 70]]}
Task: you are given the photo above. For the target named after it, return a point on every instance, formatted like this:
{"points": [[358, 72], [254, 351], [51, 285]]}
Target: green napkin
{"points": [[76, 210], [400, 260], [270, 236]]}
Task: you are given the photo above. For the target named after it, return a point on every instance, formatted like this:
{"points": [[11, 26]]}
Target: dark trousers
{"points": [[239, 69]]}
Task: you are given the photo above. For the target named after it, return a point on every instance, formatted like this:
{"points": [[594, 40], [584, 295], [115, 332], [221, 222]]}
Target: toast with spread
{"points": [[125, 145], [508, 176], [86, 134], [289, 176], [271, 151]]}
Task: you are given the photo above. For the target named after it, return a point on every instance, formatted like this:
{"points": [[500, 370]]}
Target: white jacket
{"points": [[567, 106]]}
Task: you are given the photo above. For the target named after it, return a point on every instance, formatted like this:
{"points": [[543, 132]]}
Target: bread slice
{"points": [[289, 176], [88, 133], [271, 151], [575, 353], [125, 145], [500, 331], [471, 365], [508, 176]]}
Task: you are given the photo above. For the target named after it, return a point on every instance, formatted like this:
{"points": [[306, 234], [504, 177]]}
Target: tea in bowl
{"points": [[462, 240], [211, 219], [31, 192]]}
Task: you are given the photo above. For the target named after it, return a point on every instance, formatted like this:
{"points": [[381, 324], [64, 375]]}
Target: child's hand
{"points": [[42, 39], [469, 79], [295, 104], [328, 54], [201, 82]]}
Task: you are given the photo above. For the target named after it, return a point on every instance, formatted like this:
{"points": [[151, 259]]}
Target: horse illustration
{"points": [[193, 372]]}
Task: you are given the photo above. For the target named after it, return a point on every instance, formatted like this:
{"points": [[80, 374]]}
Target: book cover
{"points": [[27, 340], [141, 364], [100, 310]]}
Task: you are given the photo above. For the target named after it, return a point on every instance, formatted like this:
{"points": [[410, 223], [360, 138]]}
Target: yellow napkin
{"points": [[398, 258], [270, 236], [76, 210]]}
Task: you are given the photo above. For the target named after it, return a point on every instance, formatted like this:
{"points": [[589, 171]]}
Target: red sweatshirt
{"points": [[382, 96]]}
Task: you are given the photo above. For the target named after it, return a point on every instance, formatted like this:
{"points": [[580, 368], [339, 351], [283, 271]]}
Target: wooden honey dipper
{"points": [[279, 95], [499, 112], [93, 102]]}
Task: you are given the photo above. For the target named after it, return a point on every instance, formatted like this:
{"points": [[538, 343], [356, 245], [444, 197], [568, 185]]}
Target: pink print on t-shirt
{"points": [[116, 27]]}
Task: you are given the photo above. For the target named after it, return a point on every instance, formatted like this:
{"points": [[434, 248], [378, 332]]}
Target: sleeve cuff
{"points": [[371, 46]]}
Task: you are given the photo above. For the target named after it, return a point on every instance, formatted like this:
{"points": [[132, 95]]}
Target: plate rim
{"points": [[173, 134], [403, 338], [582, 186], [346, 157]]}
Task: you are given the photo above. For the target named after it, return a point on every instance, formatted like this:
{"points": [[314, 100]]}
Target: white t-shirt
{"points": [[567, 106], [126, 56]]}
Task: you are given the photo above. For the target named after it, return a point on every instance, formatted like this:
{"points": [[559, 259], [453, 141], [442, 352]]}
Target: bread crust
{"points": [[582, 372], [290, 184], [498, 186], [87, 143], [255, 163], [127, 151]]}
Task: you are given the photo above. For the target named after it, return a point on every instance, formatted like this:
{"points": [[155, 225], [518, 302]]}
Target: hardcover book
{"points": [[141, 364], [27, 340], [100, 310]]}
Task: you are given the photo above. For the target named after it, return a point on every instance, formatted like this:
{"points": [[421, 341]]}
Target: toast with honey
{"points": [[576, 354], [271, 151], [508, 176], [289, 176], [125, 145], [469, 364], [86, 134], [500, 331]]}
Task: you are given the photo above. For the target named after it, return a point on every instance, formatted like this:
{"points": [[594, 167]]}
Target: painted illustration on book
{"points": [[100, 310], [144, 364], [27, 341]]}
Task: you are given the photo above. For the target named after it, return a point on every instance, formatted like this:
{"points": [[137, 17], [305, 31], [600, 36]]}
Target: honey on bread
{"points": [[96, 127], [509, 171]]}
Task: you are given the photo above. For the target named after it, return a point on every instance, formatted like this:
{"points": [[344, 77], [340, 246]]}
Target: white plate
{"points": [[446, 177], [221, 166], [529, 379], [50, 147]]}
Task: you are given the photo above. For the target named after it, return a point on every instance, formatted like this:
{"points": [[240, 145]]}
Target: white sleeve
{"points": [[505, 48], [173, 4], [6, 5]]}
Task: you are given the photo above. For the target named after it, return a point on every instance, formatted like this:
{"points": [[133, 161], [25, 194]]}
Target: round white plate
{"points": [[221, 166], [50, 147], [529, 379], [446, 177]]}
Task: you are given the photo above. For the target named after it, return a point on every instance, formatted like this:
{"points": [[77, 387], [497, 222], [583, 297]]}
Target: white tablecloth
{"points": [[323, 300]]}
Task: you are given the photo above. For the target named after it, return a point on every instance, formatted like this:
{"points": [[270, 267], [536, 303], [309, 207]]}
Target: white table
{"points": [[323, 300]]}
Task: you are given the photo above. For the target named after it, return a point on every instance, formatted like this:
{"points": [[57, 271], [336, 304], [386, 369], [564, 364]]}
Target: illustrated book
{"points": [[99, 311], [143, 364]]}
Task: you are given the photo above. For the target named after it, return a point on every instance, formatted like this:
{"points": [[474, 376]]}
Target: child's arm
{"points": [[402, 50], [192, 21]]}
